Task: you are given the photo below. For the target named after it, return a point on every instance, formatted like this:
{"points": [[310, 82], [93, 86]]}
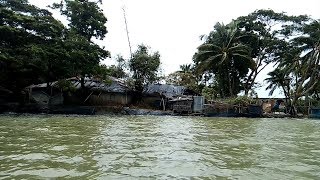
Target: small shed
{"points": [[114, 93], [156, 95], [198, 102], [39, 95], [182, 105], [314, 113], [168, 90]]}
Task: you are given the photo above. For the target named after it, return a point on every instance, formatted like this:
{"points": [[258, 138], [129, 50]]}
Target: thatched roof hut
{"points": [[115, 85], [115, 91]]}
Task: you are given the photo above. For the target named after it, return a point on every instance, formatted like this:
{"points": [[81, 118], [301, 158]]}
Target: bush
{"points": [[242, 100]]}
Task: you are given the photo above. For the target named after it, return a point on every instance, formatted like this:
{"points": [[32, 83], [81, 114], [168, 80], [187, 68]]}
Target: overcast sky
{"points": [[173, 27]]}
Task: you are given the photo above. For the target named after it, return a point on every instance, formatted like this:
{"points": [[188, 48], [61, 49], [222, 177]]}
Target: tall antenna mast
{"points": [[125, 21]]}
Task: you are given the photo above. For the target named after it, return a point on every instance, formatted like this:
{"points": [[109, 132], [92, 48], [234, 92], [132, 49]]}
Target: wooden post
{"points": [[126, 98], [88, 96], [309, 108]]}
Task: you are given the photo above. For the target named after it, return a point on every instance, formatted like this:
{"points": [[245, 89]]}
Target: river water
{"points": [[151, 147]]}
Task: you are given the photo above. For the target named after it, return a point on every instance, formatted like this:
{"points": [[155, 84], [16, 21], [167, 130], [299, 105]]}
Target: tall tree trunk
{"points": [[82, 82], [230, 85], [293, 108], [246, 91]]}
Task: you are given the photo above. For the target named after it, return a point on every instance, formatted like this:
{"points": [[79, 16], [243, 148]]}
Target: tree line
{"points": [[232, 55], [36, 48]]}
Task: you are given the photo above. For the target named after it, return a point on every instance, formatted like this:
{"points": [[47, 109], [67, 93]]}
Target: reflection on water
{"points": [[110, 147]]}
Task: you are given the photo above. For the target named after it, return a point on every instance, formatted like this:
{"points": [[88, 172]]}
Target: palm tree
{"points": [[186, 68], [301, 60], [224, 55], [278, 79]]}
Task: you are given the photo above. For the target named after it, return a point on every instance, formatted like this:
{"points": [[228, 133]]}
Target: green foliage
{"points": [[119, 70], [85, 17], [86, 20], [242, 100], [30, 45], [299, 62], [226, 57], [278, 78], [104, 72], [65, 85], [186, 68], [36, 48], [260, 33], [186, 79], [144, 67], [83, 55], [209, 93], [233, 55]]}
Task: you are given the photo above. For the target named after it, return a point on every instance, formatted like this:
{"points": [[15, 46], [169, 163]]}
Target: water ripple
{"points": [[148, 147]]}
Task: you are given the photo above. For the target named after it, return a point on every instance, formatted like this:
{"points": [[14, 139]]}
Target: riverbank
{"points": [[120, 110]]}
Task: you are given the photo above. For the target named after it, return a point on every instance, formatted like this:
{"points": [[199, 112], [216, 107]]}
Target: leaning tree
{"points": [[223, 54]]}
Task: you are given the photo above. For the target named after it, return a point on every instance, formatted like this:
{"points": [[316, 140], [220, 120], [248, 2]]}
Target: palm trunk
{"points": [[230, 85], [293, 109]]}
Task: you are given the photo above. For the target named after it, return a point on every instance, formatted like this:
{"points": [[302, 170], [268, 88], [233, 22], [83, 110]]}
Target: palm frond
{"points": [[242, 56], [205, 47], [212, 60]]}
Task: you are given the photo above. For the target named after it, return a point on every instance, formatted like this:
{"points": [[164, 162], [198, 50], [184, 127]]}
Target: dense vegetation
{"points": [[36, 48], [232, 56], [144, 67]]}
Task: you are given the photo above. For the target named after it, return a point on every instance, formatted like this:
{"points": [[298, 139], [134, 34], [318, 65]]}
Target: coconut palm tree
{"points": [[278, 79], [186, 68], [224, 55], [301, 61]]}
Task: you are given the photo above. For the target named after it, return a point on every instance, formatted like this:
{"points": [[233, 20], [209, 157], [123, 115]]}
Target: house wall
{"points": [[56, 99], [110, 99], [70, 99], [152, 101], [198, 102], [40, 97], [182, 106]]}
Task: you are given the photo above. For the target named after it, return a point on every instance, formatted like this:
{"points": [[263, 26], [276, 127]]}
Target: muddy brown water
{"points": [[158, 147]]}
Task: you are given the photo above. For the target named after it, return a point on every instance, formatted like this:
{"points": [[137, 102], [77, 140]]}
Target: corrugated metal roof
{"points": [[4, 90], [116, 85], [167, 90]]}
